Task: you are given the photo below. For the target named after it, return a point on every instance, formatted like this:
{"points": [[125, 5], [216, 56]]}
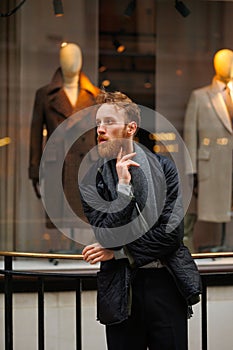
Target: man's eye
{"points": [[108, 122]]}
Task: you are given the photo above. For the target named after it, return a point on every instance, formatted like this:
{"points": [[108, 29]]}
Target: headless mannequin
{"points": [[68, 92], [223, 66], [71, 64]]}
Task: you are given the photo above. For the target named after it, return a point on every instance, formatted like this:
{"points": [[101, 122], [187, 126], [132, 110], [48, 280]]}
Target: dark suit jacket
{"points": [[51, 108]]}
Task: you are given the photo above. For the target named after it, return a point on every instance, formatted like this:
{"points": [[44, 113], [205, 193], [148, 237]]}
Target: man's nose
{"points": [[101, 128]]}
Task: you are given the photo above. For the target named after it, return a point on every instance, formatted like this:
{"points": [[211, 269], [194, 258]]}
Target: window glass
{"points": [[162, 57]]}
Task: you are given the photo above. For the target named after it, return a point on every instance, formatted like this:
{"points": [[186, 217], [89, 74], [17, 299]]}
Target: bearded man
{"points": [[147, 281]]}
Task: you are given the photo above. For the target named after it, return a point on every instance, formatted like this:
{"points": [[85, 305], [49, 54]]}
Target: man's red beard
{"points": [[110, 149]]}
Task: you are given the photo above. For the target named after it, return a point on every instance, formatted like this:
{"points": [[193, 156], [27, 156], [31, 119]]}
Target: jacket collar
{"points": [[84, 83], [58, 99], [217, 100]]}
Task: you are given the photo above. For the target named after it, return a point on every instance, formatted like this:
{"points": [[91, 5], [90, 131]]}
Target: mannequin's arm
{"points": [[36, 141], [35, 183], [191, 133], [195, 185]]}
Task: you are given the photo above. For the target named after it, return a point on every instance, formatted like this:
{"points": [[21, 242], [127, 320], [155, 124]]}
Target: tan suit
{"points": [[208, 136]]}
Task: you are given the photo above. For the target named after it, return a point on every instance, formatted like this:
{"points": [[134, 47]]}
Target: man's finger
{"points": [[119, 154], [90, 247], [128, 156], [130, 162], [93, 256]]}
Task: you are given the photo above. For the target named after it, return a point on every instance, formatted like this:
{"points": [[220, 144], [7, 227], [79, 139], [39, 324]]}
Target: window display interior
{"points": [[157, 52]]}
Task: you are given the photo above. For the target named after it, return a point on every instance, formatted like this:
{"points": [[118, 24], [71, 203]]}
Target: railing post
{"points": [[78, 315], [40, 314], [204, 314], [8, 304]]}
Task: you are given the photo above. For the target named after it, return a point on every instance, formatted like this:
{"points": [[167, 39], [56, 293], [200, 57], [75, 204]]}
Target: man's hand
{"points": [[122, 167], [95, 253]]}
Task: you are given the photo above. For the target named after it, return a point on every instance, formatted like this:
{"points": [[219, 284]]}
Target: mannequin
{"points": [[208, 136], [69, 92]]}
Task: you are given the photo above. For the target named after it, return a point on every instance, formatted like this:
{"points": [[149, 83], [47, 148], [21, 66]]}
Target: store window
{"points": [[159, 54]]}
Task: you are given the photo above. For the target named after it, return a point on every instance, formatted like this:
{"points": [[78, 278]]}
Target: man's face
{"points": [[111, 130]]}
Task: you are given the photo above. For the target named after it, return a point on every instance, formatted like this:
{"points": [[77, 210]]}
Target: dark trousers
{"points": [[158, 318]]}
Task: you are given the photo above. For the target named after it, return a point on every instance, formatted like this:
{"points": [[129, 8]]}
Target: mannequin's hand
{"points": [[35, 183], [195, 185], [193, 181], [95, 253]]}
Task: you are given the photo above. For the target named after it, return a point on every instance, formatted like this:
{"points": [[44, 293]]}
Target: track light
{"points": [[182, 8], [105, 82], [147, 83], [102, 67], [58, 8], [119, 47], [130, 8]]}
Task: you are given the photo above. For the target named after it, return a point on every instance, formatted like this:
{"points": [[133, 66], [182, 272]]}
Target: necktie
{"points": [[229, 102]]}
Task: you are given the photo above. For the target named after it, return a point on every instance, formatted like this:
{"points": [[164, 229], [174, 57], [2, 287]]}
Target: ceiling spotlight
{"points": [[58, 8], [130, 8], [102, 67], [182, 8], [105, 82], [119, 47], [147, 83]]}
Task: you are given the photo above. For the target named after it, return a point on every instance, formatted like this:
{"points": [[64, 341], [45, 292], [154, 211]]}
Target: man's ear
{"points": [[132, 128]]}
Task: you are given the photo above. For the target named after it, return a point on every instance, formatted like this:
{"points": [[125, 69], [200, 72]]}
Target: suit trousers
{"points": [[158, 319]]}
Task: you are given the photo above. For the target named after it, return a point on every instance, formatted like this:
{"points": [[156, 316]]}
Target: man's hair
{"points": [[122, 101]]}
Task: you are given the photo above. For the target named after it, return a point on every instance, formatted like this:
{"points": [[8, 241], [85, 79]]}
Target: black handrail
{"points": [[210, 277], [8, 304], [9, 273], [40, 313]]}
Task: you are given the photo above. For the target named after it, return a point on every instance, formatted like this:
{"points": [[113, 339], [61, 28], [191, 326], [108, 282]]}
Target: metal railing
{"points": [[10, 274], [217, 276]]}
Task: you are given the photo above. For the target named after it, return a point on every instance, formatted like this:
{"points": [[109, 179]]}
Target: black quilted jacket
{"points": [[158, 242]]}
